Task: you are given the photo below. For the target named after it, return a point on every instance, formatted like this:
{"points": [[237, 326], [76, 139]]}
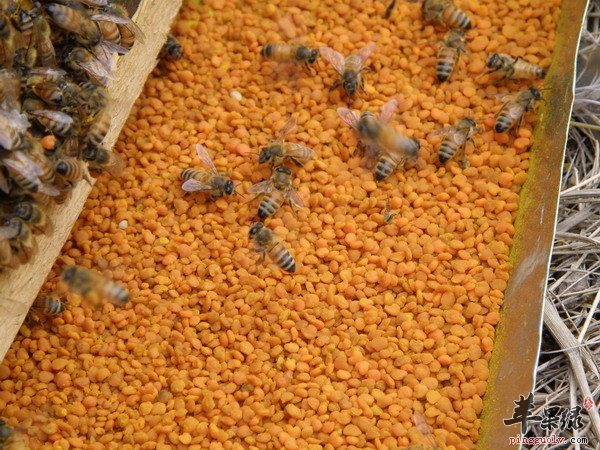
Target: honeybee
{"points": [[278, 189], [22, 243], [455, 140], [279, 151], [348, 68], [7, 259], [449, 54], [93, 286], [284, 52], [29, 174], [74, 19], [367, 127], [98, 128], [513, 68], [10, 90], [424, 432], [56, 122], [101, 159], [71, 170], [381, 139], [81, 60], [267, 244], [514, 109], [213, 182], [12, 126], [41, 49], [10, 439], [172, 48], [49, 306], [93, 96], [33, 216], [445, 13], [128, 29], [7, 41]]}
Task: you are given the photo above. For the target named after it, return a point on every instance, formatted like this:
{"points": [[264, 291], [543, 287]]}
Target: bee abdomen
{"points": [[384, 168], [118, 294], [445, 63], [456, 18], [283, 259], [266, 51], [446, 152], [52, 306], [268, 206], [503, 123], [187, 174]]}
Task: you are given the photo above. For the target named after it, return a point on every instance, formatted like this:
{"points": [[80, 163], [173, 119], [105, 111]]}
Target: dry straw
{"points": [[568, 366]]}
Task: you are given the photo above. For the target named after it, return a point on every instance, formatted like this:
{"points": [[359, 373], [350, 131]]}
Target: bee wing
{"points": [[4, 185], [111, 47], [205, 158], [388, 110], [57, 116], [261, 188], [442, 132], [49, 190], [287, 27], [15, 119], [364, 53], [288, 127], [423, 427], [349, 117], [116, 166], [97, 69], [121, 20], [294, 198], [93, 2], [25, 164], [8, 233], [192, 185], [47, 72], [334, 58], [300, 152], [515, 110]]}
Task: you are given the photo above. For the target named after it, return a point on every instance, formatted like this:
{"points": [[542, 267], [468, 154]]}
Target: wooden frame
{"points": [[20, 287]]}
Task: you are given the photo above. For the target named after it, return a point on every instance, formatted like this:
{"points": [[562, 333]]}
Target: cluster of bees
{"points": [[275, 191], [57, 58], [381, 146]]}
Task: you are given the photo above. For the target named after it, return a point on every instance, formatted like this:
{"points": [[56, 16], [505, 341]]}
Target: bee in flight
{"points": [[268, 244], [449, 54], [276, 190], [279, 151], [217, 184], [348, 68], [515, 107], [513, 68], [441, 12], [367, 128], [284, 52], [381, 139], [172, 48], [94, 287], [455, 140]]}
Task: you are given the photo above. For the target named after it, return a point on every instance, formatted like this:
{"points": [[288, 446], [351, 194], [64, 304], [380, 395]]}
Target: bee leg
{"points": [[335, 85], [389, 9], [464, 162]]}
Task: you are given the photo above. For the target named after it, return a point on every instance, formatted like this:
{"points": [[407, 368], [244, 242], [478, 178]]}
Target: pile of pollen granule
{"points": [[380, 323]]}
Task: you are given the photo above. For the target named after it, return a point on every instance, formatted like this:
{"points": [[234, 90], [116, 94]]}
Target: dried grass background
{"points": [[568, 364]]}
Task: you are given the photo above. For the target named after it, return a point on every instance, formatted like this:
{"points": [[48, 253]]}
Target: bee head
{"points": [[69, 273], [229, 187], [61, 168], [350, 86], [493, 61], [90, 153], [264, 155], [254, 229], [283, 169], [24, 210], [537, 95], [314, 54]]}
